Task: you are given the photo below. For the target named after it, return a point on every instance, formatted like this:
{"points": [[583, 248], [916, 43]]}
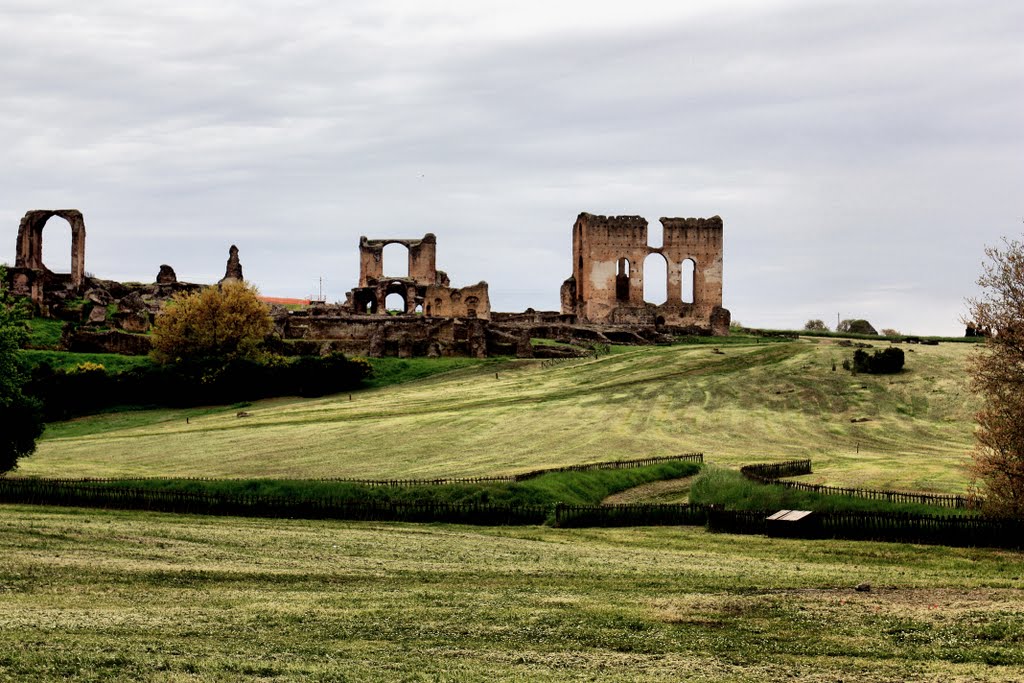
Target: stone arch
{"points": [[30, 241], [655, 276]]}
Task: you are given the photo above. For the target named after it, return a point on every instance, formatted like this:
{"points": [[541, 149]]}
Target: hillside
{"points": [[753, 402]]}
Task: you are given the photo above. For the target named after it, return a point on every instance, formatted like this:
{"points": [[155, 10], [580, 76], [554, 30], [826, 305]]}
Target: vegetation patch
{"points": [[575, 488], [728, 487]]}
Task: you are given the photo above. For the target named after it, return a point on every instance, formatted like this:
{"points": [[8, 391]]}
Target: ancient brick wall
{"points": [[607, 283]]}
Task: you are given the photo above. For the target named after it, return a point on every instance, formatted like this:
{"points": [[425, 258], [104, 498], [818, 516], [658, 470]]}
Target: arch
{"points": [[30, 241], [395, 301], [688, 280], [56, 250], [419, 309], [655, 278], [395, 259], [622, 280]]}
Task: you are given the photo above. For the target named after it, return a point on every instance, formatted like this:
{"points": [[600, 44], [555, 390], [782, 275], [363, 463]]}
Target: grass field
{"points": [[100, 595], [748, 403]]}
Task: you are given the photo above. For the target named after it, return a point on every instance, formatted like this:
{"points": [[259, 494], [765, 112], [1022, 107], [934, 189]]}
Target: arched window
{"points": [[622, 280], [688, 277], [395, 260], [655, 279], [395, 303]]}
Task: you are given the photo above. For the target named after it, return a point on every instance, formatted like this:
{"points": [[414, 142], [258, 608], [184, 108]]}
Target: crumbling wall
{"points": [[426, 290], [607, 282], [422, 260]]}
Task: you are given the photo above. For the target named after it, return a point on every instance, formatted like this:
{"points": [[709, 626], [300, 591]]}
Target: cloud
{"points": [[844, 144]]}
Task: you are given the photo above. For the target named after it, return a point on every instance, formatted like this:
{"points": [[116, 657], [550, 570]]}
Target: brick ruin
{"points": [[607, 282], [425, 290], [30, 276], [602, 302]]}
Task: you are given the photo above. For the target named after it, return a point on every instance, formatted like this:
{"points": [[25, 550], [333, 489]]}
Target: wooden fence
{"points": [[408, 483], [770, 473], [44, 492]]}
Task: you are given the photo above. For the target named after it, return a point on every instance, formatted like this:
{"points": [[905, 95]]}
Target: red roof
{"points": [[284, 300]]}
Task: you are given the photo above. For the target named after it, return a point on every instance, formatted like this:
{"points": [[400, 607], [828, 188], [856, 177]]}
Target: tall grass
{"points": [[730, 488]]}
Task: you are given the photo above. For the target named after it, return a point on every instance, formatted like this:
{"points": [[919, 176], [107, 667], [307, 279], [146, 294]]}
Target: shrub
{"points": [[885, 362]]}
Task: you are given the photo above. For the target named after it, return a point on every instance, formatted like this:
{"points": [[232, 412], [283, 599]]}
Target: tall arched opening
{"points": [[395, 260], [622, 280], [688, 279], [655, 279], [56, 248]]}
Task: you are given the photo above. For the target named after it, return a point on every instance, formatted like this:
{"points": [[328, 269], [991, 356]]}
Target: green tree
{"points": [[997, 374], [815, 326], [855, 327], [214, 326], [20, 415]]}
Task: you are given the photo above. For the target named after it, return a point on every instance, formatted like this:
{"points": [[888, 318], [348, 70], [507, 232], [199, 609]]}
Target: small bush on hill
{"points": [[885, 362]]}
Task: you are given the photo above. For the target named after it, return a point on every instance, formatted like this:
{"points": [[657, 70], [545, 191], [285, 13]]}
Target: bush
{"points": [[885, 362], [83, 390]]}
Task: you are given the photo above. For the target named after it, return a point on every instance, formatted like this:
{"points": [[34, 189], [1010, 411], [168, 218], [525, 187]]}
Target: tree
{"points": [[889, 332], [214, 326], [997, 374], [855, 327], [815, 326], [20, 415]]}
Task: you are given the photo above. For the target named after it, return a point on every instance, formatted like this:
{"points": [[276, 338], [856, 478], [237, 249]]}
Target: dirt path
{"points": [[667, 491]]}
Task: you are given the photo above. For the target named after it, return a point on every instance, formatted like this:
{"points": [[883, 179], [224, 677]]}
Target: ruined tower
{"points": [[607, 282]]}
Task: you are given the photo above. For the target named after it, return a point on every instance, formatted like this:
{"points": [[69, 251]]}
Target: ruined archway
{"points": [[655, 278], [395, 302], [30, 241]]}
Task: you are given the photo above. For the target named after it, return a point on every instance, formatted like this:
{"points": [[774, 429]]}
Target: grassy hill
{"points": [[751, 402]]}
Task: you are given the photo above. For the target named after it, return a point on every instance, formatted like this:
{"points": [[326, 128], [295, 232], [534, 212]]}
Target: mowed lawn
{"points": [[88, 595], [752, 402]]}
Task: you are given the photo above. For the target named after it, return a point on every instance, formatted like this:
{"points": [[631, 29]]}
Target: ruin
{"points": [[607, 282], [30, 276], [233, 269], [425, 290], [602, 302]]}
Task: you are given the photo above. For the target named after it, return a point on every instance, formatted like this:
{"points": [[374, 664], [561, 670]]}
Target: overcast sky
{"points": [[861, 154]]}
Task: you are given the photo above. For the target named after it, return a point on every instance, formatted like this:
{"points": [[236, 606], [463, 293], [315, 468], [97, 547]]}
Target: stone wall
{"points": [[607, 282]]}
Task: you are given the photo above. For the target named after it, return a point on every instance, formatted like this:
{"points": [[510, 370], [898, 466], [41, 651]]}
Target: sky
{"points": [[861, 154]]}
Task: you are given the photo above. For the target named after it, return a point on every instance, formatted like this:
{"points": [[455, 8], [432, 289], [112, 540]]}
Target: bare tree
{"points": [[997, 374]]}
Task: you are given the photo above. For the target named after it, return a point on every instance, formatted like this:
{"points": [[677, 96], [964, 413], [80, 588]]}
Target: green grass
{"points": [[751, 403], [45, 333], [67, 360], [390, 371], [101, 595], [574, 488], [732, 489]]}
